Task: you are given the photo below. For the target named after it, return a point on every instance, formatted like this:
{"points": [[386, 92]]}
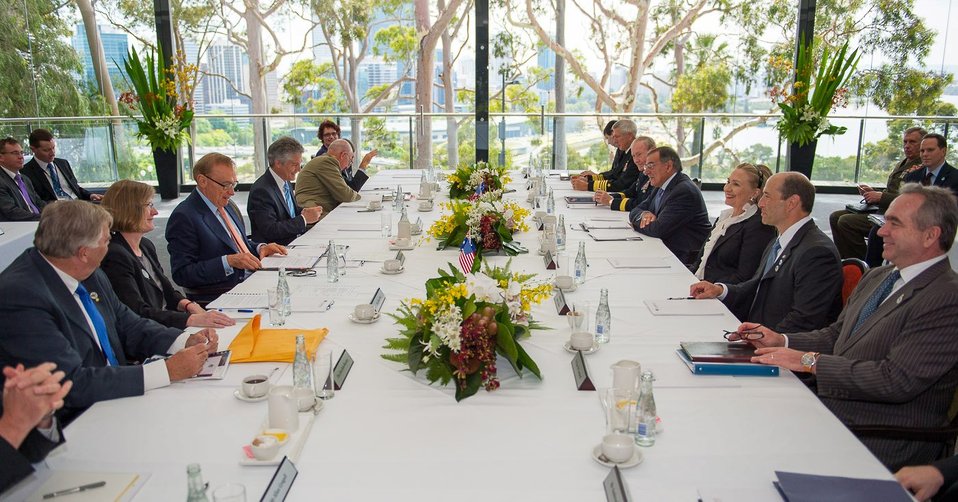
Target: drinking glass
{"points": [[578, 317], [323, 385], [232, 492], [386, 219], [277, 313], [619, 409]]}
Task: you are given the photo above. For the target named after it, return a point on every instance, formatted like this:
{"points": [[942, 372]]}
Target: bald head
{"points": [[342, 151]]}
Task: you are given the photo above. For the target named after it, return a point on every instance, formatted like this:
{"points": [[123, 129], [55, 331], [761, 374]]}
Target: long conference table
{"points": [[388, 435]]}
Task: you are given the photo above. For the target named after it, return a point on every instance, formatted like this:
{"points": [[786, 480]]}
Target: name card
{"points": [[614, 486], [401, 257], [341, 370], [562, 308], [379, 298], [581, 373], [282, 481], [549, 261]]}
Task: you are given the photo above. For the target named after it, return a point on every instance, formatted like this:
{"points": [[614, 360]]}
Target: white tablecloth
{"points": [[17, 237], [387, 435]]}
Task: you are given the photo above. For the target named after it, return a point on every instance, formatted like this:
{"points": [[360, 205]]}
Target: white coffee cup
{"points": [[548, 246], [392, 265], [374, 205], [264, 447], [625, 375], [364, 311], [402, 241], [305, 398], [618, 448], [425, 205], [255, 386], [564, 281], [581, 341]]}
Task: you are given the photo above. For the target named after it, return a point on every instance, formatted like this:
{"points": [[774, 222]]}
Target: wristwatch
{"points": [[809, 359]]}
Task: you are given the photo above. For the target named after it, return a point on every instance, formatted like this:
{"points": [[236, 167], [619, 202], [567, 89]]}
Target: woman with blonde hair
{"points": [[135, 271]]}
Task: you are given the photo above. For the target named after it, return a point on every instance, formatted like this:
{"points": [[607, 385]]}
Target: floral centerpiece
{"points": [[488, 220], [472, 180], [464, 321]]}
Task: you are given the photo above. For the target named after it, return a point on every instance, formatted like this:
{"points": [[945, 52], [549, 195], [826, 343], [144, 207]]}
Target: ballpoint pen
{"points": [[75, 489], [243, 311], [682, 298]]}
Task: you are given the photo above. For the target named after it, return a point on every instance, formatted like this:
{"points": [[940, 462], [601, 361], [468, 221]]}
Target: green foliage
{"points": [[165, 121], [314, 86]]}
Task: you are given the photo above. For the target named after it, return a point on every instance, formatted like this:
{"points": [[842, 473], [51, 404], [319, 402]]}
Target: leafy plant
{"points": [[162, 98]]}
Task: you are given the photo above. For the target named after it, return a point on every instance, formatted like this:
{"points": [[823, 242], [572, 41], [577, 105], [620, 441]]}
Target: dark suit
{"points": [[135, 286], [197, 242], [901, 366], [737, 254], [681, 220], [16, 462], [357, 180], [949, 470], [12, 205], [622, 176], [268, 215], [627, 199], [51, 326], [43, 185], [802, 291]]}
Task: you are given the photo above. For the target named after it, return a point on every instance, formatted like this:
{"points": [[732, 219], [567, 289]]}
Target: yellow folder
{"points": [[253, 345]]}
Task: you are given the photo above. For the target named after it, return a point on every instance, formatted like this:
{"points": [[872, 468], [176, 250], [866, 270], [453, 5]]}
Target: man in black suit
{"points": [[798, 286], [53, 178], [273, 213], [674, 211], [28, 430], [18, 200], [627, 199], [623, 173], [65, 311]]}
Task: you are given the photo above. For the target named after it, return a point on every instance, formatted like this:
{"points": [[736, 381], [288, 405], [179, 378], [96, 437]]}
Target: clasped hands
{"points": [[246, 261], [30, 397], [646, 219]]}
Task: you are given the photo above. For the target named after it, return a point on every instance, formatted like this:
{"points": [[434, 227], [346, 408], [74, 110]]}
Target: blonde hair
{"points": [[124, 200]]}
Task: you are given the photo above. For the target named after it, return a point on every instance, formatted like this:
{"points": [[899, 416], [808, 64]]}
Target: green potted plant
{"points": [[161, 100], [806, 104]]}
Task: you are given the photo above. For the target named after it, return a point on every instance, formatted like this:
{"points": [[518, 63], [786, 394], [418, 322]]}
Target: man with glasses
{"points": [[51, 176], [273, 213], [206, 237], [624, 171], [321, 183], [627, 199], [18, 200]]}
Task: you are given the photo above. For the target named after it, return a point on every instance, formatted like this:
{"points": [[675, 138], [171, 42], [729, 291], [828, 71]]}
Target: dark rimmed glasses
{"points": [[744, 335]]}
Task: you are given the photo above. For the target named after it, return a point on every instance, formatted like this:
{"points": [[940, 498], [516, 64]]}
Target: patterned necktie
{"points": [[288, 194], [55, 179], [882, 292], [929, 177], [658, 201], [25, 194], [771, 257], [237, 239], [98, 325]]}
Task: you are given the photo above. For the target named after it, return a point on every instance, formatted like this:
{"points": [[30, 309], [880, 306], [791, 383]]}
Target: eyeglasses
{"points": [[744, 335], [331, 135], [226, 186], [149, 205], [18, 153]]}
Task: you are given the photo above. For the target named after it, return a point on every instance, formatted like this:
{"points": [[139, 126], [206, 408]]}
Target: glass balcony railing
{"points": [[105, 149]]}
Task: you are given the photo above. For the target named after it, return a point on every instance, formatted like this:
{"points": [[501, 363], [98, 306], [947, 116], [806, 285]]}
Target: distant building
{"points": [[115, 48], [229, 69], [547, 61]]}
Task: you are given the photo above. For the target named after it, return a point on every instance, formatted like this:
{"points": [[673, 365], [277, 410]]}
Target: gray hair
{"points": [[920, 130], [283, 149], [649, 142], [67, 225], [626, 126], [939, 208]]}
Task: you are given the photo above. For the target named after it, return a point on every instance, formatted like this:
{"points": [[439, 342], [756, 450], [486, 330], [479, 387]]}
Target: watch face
{"points": [[808, 359]]}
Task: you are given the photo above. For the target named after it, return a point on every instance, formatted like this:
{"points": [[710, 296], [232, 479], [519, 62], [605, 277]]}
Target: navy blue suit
{"points": [[197, 242], [681, 220], [16, 461], [268, 215]]}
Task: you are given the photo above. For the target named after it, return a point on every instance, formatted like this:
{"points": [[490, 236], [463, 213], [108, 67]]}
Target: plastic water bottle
{"points": [[560, 233], [580, 264], [282, 288], [550, 203], [332, 263], [302, 371], [196, 488], [603, 318], [645, 432]]}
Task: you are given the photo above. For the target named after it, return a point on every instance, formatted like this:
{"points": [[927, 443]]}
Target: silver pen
{"points": [[75, 489]]}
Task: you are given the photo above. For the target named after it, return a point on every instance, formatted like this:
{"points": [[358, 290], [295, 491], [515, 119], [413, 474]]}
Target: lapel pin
{"points": [[145, 274], [95, 297], [900, 297]]}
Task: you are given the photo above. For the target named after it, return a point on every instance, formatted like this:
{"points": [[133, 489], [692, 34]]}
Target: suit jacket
{"points": [[900, 368], [12, 205], [947, 177], [627, 199], [801, 292], [268, 215], [51, 326], [949, 470], [895, 179], [16, 462], [682, 221], [135, 287], [321, 183], [357, 181], [623, 174], [737, 254], [197, 243], [44, 187]]}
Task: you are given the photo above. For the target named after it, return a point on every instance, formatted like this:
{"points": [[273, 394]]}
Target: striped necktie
{"points": [[55, 180], [874, 301], [288, 194]]}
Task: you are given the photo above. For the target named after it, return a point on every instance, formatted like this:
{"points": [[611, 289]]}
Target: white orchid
{"points": [[485, 288]]}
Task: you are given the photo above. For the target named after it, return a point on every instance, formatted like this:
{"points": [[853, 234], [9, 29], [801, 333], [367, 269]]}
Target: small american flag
{"points": [[481, 188], [467, 255]]}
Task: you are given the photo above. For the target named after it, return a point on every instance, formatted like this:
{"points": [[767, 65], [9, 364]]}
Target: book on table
{"points": [[579, 199], [734, 365], [719, 352]]}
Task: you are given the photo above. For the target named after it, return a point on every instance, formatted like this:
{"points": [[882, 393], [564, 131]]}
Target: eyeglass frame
{"points": [[746, 336], [226, 186]]}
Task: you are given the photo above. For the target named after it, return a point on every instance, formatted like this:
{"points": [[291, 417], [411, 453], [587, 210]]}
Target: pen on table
{"points": [[75, 489], [682, 298], [243, 311]]}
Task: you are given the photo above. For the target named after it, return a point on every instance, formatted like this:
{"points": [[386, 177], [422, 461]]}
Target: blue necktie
{"points": [[882, 292], [657, 203], [288, 194], [57, 187], [98, 324], [771, 257]]}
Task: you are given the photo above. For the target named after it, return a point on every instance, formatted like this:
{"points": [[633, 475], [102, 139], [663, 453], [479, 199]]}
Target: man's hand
{"points": [[206, 337], [363, 164], [29, 399], [581, 183], [863, 188], [271, 249], [95, 197], [704, 289], [789, 359], [646, 218], [312, 214], [769, 338], [924, 481], [187, 362], [587, 172], [244, 261], [603, 198], [872, 197], [210, 319]]}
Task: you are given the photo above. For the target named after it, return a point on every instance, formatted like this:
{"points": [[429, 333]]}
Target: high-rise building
{"points": [[228, 66], [115, 48], [192, 52], [547, 61]]}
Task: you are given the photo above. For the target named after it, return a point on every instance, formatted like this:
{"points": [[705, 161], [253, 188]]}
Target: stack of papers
{"points": [[289, 262], [605, 223], [685, 307], [797, 487], [640, 262], [239, 301], [601, 234]]}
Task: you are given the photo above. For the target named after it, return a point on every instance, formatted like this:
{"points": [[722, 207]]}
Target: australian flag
{"points": [[467, 255]]}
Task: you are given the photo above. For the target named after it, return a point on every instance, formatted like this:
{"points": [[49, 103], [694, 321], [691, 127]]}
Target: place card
{"points": [[341, 370], [379, 298], [549, 261], [614, 486], [561, 306], [402, 258], [282, 481], [581, 373]]}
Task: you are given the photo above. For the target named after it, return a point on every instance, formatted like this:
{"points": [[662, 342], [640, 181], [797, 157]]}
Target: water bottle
{"points": [[550, 203], [405, 226], [645, 416], [302, 371], [282, 288], [398, 203], [332, 263], [580, 264], [196, 488], [560, 233], [603, 318]]}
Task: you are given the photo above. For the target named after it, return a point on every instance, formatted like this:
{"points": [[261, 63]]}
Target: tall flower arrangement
{"points": [[806, 105], [467, 179], [490, 221], [465, 320], [161, 96]]}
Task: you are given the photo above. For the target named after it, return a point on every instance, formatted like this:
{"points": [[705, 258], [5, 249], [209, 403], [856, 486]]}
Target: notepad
{"points": [[640, 262], [797, 487], [603, 235], [119, 486], [239, 301], [685, 307], [289, 262]]}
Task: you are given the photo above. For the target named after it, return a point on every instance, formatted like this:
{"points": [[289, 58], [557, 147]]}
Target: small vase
{"points": [[167, 174], [801, 158]]}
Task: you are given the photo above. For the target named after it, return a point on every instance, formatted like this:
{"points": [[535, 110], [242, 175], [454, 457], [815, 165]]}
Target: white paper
{"points": [[239, 301], [290, 261], [685, 307], [119, 485], [618, 234], [603, 223], [640, 262]]}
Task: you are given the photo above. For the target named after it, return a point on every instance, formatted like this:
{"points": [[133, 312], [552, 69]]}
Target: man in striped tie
{"points": [[891, 358], [273, 213]]}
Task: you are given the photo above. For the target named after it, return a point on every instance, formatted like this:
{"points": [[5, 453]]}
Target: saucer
{"points": [[360, 321], [369, 210], [410, 247], [632, 462], [568, 347], [419, 232], [242, 397], [566, 290], [421, 210], [392, 272]]}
